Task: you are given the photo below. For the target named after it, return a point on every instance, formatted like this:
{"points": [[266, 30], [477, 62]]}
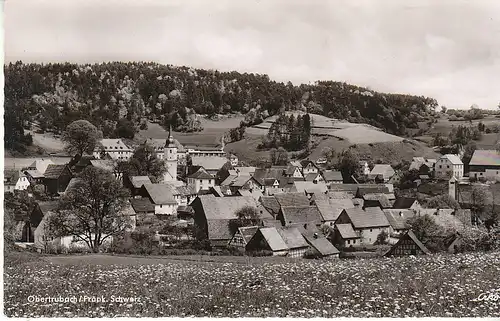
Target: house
{"points": [[40, 165], [242, 182], [34, 177], [321, 246], [299, 216], [296, 243], [143, 206], [345, 236], [267, 239], [201, 180], [398, 220], [292, 199], [308, 167], [364, 167], [332, 177], [213, 215], [134, 183], [382, 170], [422, 165], [314, 177], [56, 178], [449, 165], [330, 209], [293, 171], [408, 244], [271, 204], [162, 197], [309, 188], [407, 203], [206, 151], [376, 200], [30, 224], [115, 148], [368, 222], [485, 163], [15, 180], [242, 236], [211, 164], [79, 162]]}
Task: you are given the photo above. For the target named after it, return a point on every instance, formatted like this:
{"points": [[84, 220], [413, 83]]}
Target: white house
{"points": [[449, 165], [15, 180], [485, 163], [384, 171], [115, 148], [162, 197], [201, 180], [367, 223]]}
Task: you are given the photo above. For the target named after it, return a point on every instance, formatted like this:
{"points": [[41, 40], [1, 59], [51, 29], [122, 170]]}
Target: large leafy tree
{"points": [[246, 216], [92, 210], [442, 201], [81, 137], [279, 157], [349, 165], [144, 162]]}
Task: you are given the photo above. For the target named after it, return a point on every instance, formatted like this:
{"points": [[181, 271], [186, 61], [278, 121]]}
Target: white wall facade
{"points": [[445, 169]]}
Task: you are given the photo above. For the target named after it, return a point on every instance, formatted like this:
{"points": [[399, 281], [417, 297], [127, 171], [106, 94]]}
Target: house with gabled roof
{"points": [[56, 178], [485, 163], [271, 204], [398, 220], [296, 243], [162, 197], [408, 244], [242, 182], [345, 236], [267, 239], [201, 180], [332, 177], [134, 183], [213, 215], [449, 165], [115, 148], [292, 199], [40, 165], [376, 200], [308, 167], [368, 222], [330, 209], [30, 223], [242, 236], [14, 180], [314, 177], [407, 203], [211, 164], [385, 171], [143, 206], [320, 246]]}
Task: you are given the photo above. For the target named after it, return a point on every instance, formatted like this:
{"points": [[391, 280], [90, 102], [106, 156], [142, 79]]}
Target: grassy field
{"points": [[437, 285]]}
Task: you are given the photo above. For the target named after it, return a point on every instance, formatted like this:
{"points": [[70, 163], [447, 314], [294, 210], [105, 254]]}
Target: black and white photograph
{"points": [[251, 158]]}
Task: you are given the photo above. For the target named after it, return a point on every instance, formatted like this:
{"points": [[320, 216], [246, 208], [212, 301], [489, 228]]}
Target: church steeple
{"points": [[170, 140]]}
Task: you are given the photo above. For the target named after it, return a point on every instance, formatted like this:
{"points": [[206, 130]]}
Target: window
{"points": [[201, 181], [161, 206], [371, 230], [440, 166], [209, 181], [447, 166], [348, 242]]}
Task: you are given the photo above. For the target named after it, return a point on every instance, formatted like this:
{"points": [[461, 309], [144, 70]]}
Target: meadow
{"points": [[437, 285]]}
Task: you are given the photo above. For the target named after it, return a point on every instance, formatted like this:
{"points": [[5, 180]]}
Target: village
{"points": [[208, 200]]}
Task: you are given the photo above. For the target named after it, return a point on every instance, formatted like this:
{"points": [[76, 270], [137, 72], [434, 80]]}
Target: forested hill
{"points": [[129, 94]]}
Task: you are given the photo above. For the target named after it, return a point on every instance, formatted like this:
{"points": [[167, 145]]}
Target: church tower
{"points": [[170, 158]]}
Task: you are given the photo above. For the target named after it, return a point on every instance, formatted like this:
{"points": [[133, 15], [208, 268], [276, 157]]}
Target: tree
{"points": [[382, 238], [442, 201], [92, 210], [349, 165], [246, 216], [429, 232], [480, 198], [443, 109], [81, 137], [469, 150], [143, 162], [125, 129], [279, 157]]}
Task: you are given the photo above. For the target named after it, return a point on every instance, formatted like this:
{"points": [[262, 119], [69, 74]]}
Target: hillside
{"points": [[131, 94], [368, 141]]}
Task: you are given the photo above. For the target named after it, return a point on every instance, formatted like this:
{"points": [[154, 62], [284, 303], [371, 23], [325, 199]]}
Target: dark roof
{"points": [[292, 199], [48, 206], [346, 231], [248, 232], [142, 205], [201, 173], [398, 217], [411, 236], [372, 189], [270, 203], [367, 218], [53, 171], [311, 177], [321, 244], [272, 238], [380, 198], [11, 176], [33, 173], [332, 176], [404, 202], [160, 193], [209, 162], [300, 214]]}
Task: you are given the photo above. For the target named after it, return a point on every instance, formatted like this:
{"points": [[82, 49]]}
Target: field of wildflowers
{"points": [[438, 285]]}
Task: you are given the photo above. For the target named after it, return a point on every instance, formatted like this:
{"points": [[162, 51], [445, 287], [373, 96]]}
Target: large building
{"points": [[485, 163], [115, 148], [449, 165]]}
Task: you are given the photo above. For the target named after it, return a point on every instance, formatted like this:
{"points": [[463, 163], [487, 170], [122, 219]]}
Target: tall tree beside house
{"points": [[246, 216], [279, 157], [349, 165], [429, 232], [143, 163], [480, 197], [81, 137], [92, 210]]}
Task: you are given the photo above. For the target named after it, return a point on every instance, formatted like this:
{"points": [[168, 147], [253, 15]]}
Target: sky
{"points": [[445, 49]]}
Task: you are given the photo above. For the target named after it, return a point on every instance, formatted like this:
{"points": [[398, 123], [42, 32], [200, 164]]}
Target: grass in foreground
{"points": [[427, 286]]}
